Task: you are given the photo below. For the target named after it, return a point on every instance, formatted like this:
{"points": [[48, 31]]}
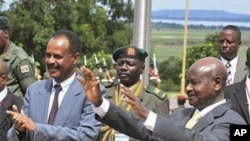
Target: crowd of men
{"points": [[78, 104]]}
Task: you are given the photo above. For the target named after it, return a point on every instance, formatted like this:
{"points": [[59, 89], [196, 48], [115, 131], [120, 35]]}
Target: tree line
{"points": [[102, 25]]}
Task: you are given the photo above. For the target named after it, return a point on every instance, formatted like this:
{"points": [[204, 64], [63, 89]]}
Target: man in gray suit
{"points": [[74, 120], [206, 80], [229, 45]]}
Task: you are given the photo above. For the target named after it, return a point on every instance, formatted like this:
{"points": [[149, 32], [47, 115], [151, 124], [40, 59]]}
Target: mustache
{"points": [[52, 66]]}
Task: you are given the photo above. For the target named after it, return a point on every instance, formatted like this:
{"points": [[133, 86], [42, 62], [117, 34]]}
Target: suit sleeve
{"points": [[215, 130], [125, 122]]}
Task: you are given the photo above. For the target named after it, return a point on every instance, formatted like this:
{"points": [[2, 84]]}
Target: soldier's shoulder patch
{"points": [[24, 68], [157, 92]]}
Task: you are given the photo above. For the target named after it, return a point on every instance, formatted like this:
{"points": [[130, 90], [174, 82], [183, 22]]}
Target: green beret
{"points": [[4, 22], [130, 52]]}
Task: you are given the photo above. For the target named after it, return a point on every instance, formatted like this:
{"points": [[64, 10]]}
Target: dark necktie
{"points": [[54, 107]]}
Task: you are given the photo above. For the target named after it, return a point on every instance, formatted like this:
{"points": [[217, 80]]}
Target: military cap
{"points": [[130, 52], [4, 22]]}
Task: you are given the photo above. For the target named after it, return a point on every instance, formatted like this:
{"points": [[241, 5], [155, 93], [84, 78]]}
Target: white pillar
{"points": [[142, 31]]}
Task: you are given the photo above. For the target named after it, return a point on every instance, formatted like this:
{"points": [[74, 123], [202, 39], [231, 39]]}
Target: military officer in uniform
{"points": [[20, 67], [129, 66]]}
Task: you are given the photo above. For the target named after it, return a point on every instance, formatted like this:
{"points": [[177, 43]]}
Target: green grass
{"points": [[169, 42]]}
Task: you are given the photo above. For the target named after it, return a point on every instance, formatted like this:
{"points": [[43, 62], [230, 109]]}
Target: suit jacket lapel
{"points": [[204, 121], [68, 102], [43, 99], [186, 115], [240, 96], [241, 71], [210, 116], [6, 105]]}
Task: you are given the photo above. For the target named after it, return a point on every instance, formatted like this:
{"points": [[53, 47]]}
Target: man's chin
{"points": [[192, 103], [55, 76]]}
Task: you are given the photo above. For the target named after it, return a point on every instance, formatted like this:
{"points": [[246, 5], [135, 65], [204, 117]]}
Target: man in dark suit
{"points": [[229, 44], [74, 119], [206, 80], [239, 93], [7, 99]]}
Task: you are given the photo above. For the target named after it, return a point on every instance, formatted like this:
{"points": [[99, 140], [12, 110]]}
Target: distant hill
{"points": [[204, 15]]}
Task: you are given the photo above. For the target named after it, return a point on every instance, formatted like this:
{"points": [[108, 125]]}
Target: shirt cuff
{"points": [[150, 121], [102, 109]]}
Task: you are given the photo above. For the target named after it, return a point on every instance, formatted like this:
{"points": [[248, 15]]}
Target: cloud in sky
{"points": [[233, 6]]}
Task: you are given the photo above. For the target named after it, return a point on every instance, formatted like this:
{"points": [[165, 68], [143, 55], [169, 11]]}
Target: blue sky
{"points": [[233, 6]]}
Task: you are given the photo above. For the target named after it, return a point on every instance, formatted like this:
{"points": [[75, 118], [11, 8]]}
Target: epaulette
{"points": [[155, 91]]}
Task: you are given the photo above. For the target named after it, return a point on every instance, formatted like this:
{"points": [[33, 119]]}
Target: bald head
{"points": [[206, 79], [210, 67]]}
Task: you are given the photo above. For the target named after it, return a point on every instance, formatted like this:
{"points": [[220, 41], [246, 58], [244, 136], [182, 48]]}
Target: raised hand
{"points": [[140, 110], [91, 86]]}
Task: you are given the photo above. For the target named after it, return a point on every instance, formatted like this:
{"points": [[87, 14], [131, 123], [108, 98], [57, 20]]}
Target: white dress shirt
{"points": [[248, 93], [234, 63], [65, 86], [3, 94]]}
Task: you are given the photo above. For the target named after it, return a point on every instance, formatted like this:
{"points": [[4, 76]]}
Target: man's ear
{"points": [[239, 42], [6, 33], [143, 66], [218, 83]]}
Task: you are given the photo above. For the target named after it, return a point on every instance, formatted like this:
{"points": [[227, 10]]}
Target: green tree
{"points": [[212, 39], [209, 48], [169, 72], [101, 24]]}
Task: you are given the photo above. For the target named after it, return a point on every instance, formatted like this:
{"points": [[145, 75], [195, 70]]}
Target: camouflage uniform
{"points": [[20, 68]]}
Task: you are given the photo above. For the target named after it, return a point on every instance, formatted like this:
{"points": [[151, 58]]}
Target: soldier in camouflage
{"points": [[21, 69]]}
